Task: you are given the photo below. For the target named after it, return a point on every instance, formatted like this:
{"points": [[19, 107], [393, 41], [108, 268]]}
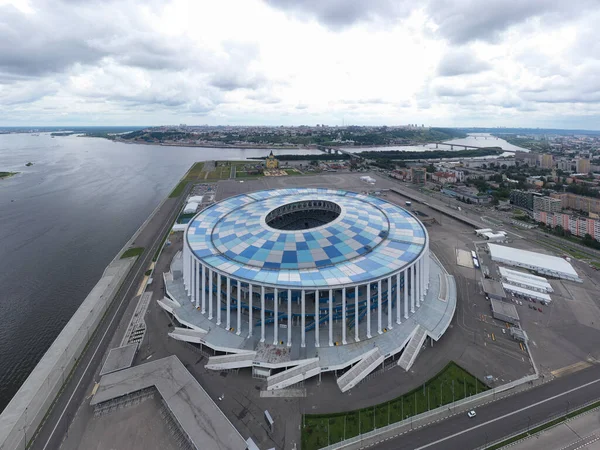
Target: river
{"points": [[474, 139], [63, 219]]}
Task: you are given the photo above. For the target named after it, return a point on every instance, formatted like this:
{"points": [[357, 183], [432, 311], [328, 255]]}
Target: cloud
{"points": [[461, 61], [338, 14], [438, 62]]}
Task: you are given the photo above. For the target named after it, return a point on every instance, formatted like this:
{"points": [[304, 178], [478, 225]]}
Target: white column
{"points": [[250, 311], [198, 283], [425, 277], [289, 321], [303, 319], [218, 299], [203, 289], [228, 315], [398, 304], [390, 295], [185, 267], [356, 314], [427, 261], [330, 317], [379, 307], [418, 282], [412, 289], [193, 286], [262, 314], [317, 304], [275, 304], [239, 308], [368, 310], [210, 294], [344, 316], [405, 293]]}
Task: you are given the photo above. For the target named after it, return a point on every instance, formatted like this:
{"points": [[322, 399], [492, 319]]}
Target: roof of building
{"points": [[370, 239], [512, 276], [528, 292], [201, 419], [119, 358], [504, 308], [492, 287], [533, 259]]}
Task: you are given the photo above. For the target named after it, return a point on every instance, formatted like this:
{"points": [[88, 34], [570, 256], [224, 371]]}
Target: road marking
{"points": [[567, 370], [126, 295], [509, 414]]}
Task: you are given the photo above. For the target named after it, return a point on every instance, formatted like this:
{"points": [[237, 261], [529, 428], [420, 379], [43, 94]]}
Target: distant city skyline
{"points": [[463, 63]]}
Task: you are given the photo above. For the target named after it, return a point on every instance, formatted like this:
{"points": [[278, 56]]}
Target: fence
{"points": [[443, 412], [534, 426]]}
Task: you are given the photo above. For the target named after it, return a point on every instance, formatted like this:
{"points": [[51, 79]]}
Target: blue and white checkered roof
{"points": [[370, 239]]}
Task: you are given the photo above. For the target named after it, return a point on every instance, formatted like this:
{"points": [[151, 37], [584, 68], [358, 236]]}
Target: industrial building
{"points": [[538, 262], [525, 280], [504, 311]]}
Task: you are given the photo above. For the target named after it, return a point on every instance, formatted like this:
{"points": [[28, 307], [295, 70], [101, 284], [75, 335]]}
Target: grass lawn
{"points": [[194, 173], [131, 252], [321, 430], [595, 264], [221, 172]]}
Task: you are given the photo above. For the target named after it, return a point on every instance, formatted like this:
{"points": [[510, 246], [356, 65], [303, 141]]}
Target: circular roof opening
{"points": [[303, 215]]}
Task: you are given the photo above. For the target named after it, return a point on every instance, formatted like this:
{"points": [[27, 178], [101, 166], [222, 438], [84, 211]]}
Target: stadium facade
{"points": [[302, 280]]}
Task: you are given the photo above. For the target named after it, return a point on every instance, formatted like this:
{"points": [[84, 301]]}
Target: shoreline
{"points": [[7, 175]]}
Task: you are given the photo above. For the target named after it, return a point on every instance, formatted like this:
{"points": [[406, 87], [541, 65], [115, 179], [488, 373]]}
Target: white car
{"points": [[471, 414]]}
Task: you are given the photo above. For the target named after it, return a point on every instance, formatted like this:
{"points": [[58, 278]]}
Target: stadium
{"points": [[297, 282]]}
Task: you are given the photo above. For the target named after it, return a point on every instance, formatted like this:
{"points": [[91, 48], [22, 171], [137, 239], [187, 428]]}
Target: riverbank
{"points": [[4, 175]]}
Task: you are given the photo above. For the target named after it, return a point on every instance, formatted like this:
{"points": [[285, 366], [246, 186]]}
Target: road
{"points": [[504, 417], [51, 432]]}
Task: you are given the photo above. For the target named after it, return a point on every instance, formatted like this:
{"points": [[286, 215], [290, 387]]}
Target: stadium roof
{"points": [[370, 239], [543, 263]]}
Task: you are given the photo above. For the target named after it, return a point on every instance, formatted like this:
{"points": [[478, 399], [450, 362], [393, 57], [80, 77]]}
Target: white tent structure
{"points": [[527, 292], [538, 262], [368, 179], [191, 207], [526, 280], [196, 198]]}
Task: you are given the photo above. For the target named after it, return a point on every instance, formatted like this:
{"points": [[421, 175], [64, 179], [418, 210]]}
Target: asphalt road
{"points": [[51, 433], [504, 417]]}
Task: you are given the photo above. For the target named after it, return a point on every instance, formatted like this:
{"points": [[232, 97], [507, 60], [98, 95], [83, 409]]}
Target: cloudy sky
{"points": [[437, 62]]}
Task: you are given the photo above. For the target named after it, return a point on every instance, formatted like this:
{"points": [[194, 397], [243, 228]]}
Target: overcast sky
{"points": [[438, 62]]}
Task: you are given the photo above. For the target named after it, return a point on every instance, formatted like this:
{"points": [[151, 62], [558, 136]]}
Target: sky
{"points": [[511, 63]]}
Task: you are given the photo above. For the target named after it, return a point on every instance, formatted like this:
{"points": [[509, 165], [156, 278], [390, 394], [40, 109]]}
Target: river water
{"points": [[63, 220], [474, 139]]}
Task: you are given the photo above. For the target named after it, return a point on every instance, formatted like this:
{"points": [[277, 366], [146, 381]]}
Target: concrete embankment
{"points": [[26, 410]]}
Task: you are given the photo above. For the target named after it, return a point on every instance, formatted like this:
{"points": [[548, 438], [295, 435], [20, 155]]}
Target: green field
{"points": [[451, 383], [178, 189], [194, 174], [131, 252]]}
